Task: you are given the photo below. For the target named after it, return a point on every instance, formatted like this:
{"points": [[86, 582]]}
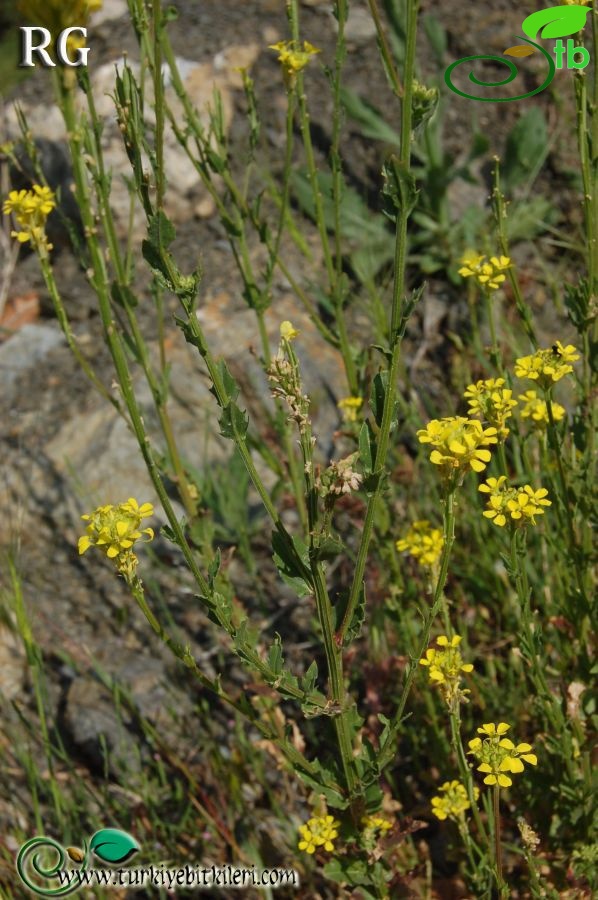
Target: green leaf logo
{"points": [[113, 846], [557, 22]]}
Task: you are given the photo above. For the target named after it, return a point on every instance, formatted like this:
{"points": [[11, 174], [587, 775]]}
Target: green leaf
{"points": [[233, 422], [555, 22], [370, 119], [367, 448], [308, 681], [161, 232], [526, 148], [327, 548], [378, 395], [399, 191], [123, 295], [289, 554], [275, 658], [113, 846]]}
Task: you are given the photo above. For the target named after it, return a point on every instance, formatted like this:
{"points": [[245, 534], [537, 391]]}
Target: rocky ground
{"points": [[64, 449]]}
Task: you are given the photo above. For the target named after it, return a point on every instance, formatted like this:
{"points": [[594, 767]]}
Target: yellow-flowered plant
{"points": [[488, 273], [292, 57], [498, 755], [115, 529], [376, 823], [459, 444], [516, 506], [56, 15], [452, 801], [494, 403], [532, 407], [349, 407], [31, 210], [423, 542], [288, 332], [319, 831], [446, 667], [547, 366]]}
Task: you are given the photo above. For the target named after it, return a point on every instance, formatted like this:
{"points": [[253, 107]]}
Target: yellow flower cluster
{"points": [[535, 409], [491, 401], [349, 407], [291, 57], [547, 366], [319, 831], [376, 823], [488, 273], [30, 210], [446, 667], [498, 755], [517, 506], [423, 542], [452, 802], [459, 443], [56, 15], [115, 529]]}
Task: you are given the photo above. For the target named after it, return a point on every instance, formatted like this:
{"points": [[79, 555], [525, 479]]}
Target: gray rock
{"points": [[27, 348]]}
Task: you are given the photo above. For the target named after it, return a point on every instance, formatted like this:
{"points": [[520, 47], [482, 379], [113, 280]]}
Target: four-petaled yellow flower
{"points": [[517, 506], [320, 831], [460, 443], [547, 366], [491, 401], [489, 273], [446, 667], [30, 210], [292, 57], [115, 529], [535, 409], [453, 802], [287, 331], [498, 755], [423, 542], [349, 407]]}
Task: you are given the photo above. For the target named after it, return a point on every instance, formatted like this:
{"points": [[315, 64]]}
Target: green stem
{"points": [[334, 283], [502, 887], [396, 317]]}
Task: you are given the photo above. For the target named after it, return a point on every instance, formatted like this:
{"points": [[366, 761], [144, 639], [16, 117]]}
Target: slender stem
{"points": [[497, 840], [395, 336]]}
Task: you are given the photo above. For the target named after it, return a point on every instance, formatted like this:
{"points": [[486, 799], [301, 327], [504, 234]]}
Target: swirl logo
{"points": [[43, 862], [555, 22]]}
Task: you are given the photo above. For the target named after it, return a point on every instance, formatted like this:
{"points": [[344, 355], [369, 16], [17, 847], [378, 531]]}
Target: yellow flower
{"points": [[492, 402], [349, 407], [517, 506], [287, 331], [115, 529], [488, 273], [446, 666], [547, 366], [56, 15], [423, 542], [376, 823], [535, 409], [30, 210], [291, 57], [498, 755], [460, 443], [453, 802], [320, 831]]}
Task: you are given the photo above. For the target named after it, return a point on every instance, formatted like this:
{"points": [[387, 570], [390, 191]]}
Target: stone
{"points": [[27, 347]]}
